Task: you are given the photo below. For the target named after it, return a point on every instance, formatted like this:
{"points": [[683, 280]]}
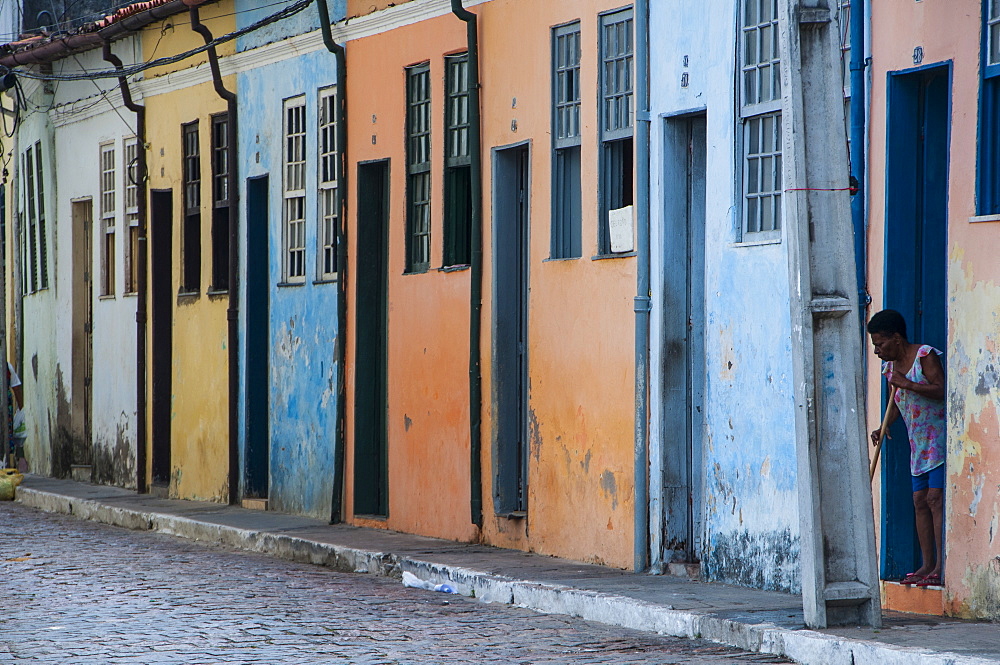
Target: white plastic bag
{"points": [[411, 580], [19, 427]]}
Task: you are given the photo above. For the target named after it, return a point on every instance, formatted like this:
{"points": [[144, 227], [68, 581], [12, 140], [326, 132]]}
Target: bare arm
{"points": [[933, 372]]}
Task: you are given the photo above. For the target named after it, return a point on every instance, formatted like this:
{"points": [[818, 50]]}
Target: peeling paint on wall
{"points": [[764, 560], [972, 503]]}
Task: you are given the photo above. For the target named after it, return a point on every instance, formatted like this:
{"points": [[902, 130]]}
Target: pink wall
{"points": [[949, 31]]}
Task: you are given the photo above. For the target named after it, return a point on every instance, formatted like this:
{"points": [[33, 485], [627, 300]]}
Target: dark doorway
{"points": [[683, 336], [258, 366], [511, 194], [83, 331], [161, 205], [917, 147], [371, 468]]}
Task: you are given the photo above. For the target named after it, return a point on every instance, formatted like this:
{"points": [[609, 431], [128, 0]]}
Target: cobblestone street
{"points": [[81, 592]]}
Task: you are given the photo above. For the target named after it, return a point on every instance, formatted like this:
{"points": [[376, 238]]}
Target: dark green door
{"points": [[371, 470]]}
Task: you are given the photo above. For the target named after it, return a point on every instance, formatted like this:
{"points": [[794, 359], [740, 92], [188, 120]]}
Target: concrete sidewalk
{"points": [[754, 620]]}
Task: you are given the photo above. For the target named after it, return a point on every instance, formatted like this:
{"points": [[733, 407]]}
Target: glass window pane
{"points": [[753, 223], [995, 43], [753, 131], [750, 85], [766, 213], [767, 131], [750, 47]]}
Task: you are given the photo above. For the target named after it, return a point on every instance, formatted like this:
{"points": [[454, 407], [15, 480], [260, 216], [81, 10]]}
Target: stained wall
{"points": [[949, 33]]}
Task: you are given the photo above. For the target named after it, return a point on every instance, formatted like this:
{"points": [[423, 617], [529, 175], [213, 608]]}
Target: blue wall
{"points": [[303, 318], [749, 494], [305, 21]]}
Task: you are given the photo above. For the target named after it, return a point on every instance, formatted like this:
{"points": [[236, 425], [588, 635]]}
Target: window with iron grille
{"points": [[418, 167], [616, 118], [988, 159], [108, 213], [760, 110], [191, 240], [131, 171], [565, 241], [329, 202], [457, 163], [220, 202], [294, 189]]}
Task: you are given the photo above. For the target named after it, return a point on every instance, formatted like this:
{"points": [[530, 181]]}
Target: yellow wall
{"points": [[199, 411]]}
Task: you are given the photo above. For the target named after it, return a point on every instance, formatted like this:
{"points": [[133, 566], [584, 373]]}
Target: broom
{"points": [[881, 434]]}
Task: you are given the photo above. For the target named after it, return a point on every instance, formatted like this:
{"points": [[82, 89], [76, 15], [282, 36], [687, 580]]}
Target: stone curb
{"points": [[803, 646]]}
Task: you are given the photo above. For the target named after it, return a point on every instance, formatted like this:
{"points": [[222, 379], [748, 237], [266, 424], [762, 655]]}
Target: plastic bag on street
{"points": [[411, 580]]}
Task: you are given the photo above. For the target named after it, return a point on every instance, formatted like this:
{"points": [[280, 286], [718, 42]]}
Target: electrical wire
{"points": [[132, 70]]}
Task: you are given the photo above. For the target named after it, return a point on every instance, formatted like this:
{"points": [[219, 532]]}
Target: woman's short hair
{"points": [[887, 322]]}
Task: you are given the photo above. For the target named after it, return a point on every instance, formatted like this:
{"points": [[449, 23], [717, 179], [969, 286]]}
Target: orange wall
{"points": [[950, 31], [581, 323], [581, 353], [428, 419]]}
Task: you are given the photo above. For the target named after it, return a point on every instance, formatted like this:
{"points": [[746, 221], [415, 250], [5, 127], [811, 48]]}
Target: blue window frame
{"points": [[565, 241], [988, 167], [616, 116]]}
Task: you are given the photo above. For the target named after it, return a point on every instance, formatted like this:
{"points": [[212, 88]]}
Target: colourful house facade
{"points": [[555, 353], [289, 264], [933, 219], [188, 359]]}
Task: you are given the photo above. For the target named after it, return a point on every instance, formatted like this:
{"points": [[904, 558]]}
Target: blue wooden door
{"points": [[917, 146]]}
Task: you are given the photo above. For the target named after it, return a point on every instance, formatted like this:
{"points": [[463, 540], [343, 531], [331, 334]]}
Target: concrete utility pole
{"points": [[836, 524]]}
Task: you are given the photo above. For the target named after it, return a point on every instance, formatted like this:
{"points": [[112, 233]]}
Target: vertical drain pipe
{"points": [[340, 108], [642, 299], [141, 286], [233, 312], [476, 288], [858, 152]]}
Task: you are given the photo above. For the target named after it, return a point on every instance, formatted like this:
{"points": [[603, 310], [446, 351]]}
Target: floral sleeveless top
{"points": [[924, 418]]}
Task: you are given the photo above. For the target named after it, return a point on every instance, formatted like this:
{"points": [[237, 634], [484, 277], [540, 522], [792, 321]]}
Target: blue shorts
{"points": [[933, 478]]}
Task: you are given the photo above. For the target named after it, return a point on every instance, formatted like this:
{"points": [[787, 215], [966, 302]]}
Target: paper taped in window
{"points": [[620, 229]]}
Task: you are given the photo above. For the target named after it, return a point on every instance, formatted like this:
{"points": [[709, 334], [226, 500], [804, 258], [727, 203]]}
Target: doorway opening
{"points": [[371, 392], [511, 206], [83, 333], [258, 367], [161, 303], [916, 234], [683, 386]]}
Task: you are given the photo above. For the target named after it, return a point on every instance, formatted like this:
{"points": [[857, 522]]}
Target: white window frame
{"points": [[760, 109], [108, 206], [992, 33], [293, 186], [327, 174]]}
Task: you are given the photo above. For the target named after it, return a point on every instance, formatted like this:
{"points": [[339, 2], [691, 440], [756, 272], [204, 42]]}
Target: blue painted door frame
{"points": [[916, 232]]}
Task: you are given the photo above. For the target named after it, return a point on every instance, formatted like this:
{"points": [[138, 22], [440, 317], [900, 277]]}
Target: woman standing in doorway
{"points": [[916, 372]]}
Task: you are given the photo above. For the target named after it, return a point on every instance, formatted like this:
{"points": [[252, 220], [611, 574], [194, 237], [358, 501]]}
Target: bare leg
{"points": [[935, 501], [925, 531]]}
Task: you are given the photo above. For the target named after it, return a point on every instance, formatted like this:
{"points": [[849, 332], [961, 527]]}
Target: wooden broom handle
{"points": [[881, 434]]}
